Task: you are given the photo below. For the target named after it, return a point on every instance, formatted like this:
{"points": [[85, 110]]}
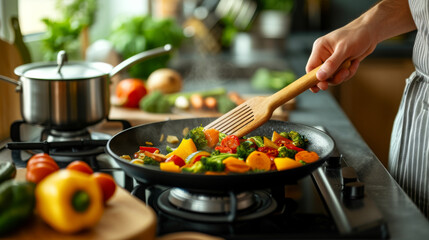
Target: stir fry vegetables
{"points": [[208, 151]]}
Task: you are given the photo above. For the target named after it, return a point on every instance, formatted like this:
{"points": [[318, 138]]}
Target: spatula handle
{"points": [[297, 87]]}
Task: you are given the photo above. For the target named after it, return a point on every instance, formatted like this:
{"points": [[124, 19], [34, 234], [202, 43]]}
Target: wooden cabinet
{"points": [[9, 99], [371, 100]]}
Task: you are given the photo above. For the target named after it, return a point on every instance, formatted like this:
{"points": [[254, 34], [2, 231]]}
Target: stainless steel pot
{"points": [[69, 96]]}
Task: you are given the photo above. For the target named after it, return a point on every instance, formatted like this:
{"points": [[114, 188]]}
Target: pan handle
{"points": [[13, 81], [140, 57]]}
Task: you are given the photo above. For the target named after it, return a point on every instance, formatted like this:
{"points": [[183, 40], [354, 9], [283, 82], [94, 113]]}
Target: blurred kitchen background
{"points": [[214, 39]]}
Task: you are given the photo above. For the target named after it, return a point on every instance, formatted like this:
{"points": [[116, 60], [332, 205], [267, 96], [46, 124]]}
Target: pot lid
{"points": [[63, 70], [69, 71]]}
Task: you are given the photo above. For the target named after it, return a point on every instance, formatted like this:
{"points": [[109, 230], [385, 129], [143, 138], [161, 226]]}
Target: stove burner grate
{"points": [[263, 204]]}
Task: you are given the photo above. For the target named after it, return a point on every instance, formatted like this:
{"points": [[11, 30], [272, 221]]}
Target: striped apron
{"points": [[409, 146]]}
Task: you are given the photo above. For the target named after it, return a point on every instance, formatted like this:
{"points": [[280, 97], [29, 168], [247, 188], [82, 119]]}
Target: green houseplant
{"points": [[135, 34], [64, 33]]}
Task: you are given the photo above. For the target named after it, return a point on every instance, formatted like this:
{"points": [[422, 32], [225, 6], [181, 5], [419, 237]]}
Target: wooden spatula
{"points": [[256, 111]]}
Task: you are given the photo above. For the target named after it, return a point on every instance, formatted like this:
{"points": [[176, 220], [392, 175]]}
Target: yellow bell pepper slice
{"points": [[286, 163], [169, 167], [185, 148]]}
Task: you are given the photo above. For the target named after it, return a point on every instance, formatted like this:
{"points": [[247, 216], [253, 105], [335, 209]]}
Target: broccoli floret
{"points": [[214, 162], [198, 137], [195, 168], [150, 161], [259, 141], [169, 149], [286, 152], [222, 136], [244, 149], [297, 139], [155, 102]]}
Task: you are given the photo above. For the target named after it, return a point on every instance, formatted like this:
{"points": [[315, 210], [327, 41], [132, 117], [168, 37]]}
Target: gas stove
{"points": [[331, 203]]}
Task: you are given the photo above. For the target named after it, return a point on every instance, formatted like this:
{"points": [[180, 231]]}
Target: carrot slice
{"points": [[233, 164], [306, 156], [259, 160], [212, 137]]}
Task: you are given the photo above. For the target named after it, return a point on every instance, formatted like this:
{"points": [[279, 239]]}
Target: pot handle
{"points": [[140, 57], [13, 81]]}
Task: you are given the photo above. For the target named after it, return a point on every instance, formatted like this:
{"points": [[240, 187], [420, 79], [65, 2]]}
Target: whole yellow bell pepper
{"points": [[69, 201]]}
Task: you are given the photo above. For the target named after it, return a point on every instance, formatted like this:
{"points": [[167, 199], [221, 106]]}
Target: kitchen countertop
{"points": [[403, 218]]}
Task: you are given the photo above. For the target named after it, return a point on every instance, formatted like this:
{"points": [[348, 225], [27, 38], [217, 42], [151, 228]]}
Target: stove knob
{"points": [[333, 162], [354, 190], [349, 175]]}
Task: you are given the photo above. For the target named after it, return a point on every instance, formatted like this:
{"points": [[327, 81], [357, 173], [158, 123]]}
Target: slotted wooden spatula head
{"points": [[258, 110]]}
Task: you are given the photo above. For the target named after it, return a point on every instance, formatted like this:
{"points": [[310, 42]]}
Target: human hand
{"points": [[352, 42]]}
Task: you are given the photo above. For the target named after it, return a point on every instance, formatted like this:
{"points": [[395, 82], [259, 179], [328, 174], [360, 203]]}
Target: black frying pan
{"points": [[128, 141]]}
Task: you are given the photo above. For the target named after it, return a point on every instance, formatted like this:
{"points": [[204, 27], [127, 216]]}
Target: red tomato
{"points": [[80, 166], [132, 90], [106, 183], [177, 160], [271, 152], [231, 141], [39, 171], [41, 158], [224, 149], [281, 141]]}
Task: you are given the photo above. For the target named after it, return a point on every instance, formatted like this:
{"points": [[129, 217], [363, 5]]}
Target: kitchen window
{"points": [[32, 11]]}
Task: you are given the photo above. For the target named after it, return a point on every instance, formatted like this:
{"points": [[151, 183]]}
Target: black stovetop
{"points": [[315, 207]]}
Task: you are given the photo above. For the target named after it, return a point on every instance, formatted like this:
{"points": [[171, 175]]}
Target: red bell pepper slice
{"points": [[148, 149], [177, 160], [288, 143]]}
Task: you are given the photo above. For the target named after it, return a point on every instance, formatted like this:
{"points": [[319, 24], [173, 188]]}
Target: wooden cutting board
{"points": [[124, 217]]}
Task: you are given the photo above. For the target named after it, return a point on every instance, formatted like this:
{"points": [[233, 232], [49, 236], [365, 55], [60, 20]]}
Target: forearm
{"points": [[387, 19]]}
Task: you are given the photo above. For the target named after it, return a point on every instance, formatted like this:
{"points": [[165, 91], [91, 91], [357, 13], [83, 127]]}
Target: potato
{"points": [[165, 80]]}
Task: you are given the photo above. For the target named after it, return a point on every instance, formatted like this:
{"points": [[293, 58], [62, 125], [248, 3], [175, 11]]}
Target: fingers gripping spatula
{"points": [[256, 111]]}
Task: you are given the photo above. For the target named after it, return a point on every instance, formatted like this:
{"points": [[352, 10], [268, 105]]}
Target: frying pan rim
{"points": [[173, 174]]}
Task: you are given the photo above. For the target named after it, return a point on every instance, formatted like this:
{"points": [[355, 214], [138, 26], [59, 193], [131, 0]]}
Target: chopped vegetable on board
{"points": [[17, 204]]}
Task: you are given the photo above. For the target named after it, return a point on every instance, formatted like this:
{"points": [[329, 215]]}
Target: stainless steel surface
{"points": [[61, 59], [141, 57], [403, 218], [350, 215], [65, 105], [208, 203]]}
